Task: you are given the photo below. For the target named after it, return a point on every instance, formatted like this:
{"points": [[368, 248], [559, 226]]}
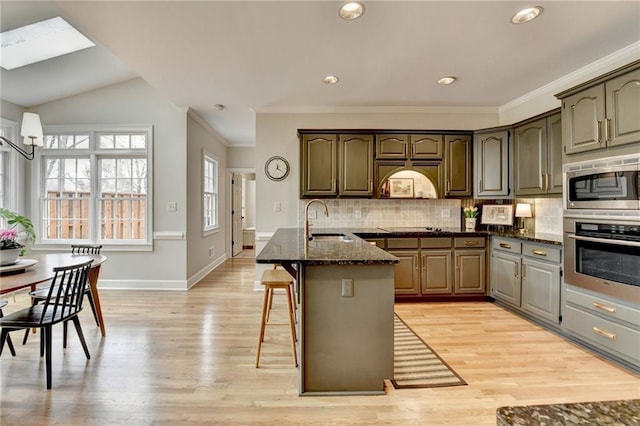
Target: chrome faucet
{"points": [[306, 216]]}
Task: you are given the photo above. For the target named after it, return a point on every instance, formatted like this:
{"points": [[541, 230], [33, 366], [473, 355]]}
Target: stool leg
{"points": [[270, 303], [263, 317], [292, 326]]}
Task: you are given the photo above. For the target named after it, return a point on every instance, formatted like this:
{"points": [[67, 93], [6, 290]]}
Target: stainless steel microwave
{"points": [[607, 184]]}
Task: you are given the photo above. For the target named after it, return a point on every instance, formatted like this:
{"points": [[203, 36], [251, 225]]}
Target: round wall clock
{"points": [[276, 168]]}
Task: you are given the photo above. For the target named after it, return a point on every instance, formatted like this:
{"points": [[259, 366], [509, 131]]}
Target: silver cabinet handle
{"points": [[603, 333], [604, 241]]}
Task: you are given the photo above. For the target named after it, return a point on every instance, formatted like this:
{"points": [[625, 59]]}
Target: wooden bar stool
{"points": [[273, 279]]}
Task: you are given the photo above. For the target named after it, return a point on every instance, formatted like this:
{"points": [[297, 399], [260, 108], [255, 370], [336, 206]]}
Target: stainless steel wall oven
{"points": [[604, 256]]}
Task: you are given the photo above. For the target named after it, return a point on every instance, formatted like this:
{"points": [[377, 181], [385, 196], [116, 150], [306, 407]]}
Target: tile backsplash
{"points": [[440, 213], [548, 215]]}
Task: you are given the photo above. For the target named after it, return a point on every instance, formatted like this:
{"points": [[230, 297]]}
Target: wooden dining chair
{"points": [[63, 303], [38, 296]]}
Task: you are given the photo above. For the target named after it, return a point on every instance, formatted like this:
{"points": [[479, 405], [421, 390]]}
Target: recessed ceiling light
{"points": [[351, 10], [447, 80], [526, 15], [40, 41], [218, 107], [330, 79]]}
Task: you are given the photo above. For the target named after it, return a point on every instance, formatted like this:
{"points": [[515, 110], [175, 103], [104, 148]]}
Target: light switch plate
{"points": [[172, 206]]}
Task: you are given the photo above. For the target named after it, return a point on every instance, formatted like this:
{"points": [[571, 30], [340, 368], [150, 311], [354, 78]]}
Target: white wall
{"points": [[201, 137], [136, 103], [241, 157]]}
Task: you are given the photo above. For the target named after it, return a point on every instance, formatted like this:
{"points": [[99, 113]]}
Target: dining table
{"points": [[38, 269]]}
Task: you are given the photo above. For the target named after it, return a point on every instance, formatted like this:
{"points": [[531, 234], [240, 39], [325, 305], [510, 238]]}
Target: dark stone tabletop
{"points": [[287, 245], [619, 413]]}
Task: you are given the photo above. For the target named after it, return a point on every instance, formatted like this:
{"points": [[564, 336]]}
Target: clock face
{"points": [[276, 168]]}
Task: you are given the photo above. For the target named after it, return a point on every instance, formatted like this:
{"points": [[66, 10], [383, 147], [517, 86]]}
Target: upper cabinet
{"points": [[491, 150], [319, 159], [356, 165], [602, 113], [458, 173], [538, 157], [335, 165], [404, 146]]}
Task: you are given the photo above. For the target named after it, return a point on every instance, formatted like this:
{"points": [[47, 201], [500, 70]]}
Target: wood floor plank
{"points": [[188, 358]]}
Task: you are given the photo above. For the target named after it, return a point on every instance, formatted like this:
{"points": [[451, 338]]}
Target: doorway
{"points": [[243, 214]]}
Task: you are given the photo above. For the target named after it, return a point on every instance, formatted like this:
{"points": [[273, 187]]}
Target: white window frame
{"points": [[9, 156], [94, 153], [207, 157]]}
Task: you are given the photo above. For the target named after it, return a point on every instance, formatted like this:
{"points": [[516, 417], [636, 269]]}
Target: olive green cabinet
{"points": [[435, 263], [538, 157], [458, 172], [491, 165], [603, 115], [336, 165], [407, 272], [469, 259], [319, 159], [356, 165], [404, 146]]}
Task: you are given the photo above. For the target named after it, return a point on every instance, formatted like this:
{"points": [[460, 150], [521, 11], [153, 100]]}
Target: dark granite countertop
{"points": [[536, 237], [620, 413], [287, 246]]}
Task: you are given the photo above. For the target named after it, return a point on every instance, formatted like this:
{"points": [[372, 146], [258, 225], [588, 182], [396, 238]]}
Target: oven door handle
{"points": [[604, 240]]}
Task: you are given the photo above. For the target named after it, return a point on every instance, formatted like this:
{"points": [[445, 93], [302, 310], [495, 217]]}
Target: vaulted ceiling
{"points": [[267, 56]]}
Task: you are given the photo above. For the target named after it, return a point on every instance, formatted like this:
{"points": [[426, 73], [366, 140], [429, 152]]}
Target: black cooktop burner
{"points": [[412, 229]]}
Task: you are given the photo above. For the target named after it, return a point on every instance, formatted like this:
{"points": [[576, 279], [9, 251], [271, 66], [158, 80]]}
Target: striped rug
{"points": [[416, 365]]}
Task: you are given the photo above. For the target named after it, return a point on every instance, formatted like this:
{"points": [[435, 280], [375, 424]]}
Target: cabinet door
{"points": [[505, 278], [426, 147], [469, 271], [407, 278], [436, 271], [553, 181], [492, 164], [356, 165], [458, 166], [541, 289], [530, 154], [392, 146], [583, 120], [623, 109], [319, 165]]}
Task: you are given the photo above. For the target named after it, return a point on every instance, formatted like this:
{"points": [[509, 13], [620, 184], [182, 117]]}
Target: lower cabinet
{"points": [[527, 276], [439, 267]]}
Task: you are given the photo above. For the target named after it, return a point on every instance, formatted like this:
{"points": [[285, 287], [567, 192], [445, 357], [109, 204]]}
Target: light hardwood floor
{"points": [[188, 358]]}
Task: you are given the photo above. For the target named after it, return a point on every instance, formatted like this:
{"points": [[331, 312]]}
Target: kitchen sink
{"points": [[330, 237]]}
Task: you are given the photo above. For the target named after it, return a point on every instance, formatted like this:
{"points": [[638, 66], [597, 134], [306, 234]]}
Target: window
{"points": [[209, 192], [95, 186]]}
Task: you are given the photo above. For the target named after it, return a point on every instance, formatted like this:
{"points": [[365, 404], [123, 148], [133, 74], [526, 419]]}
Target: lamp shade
{"points": [[32, 129], [523, 210]]}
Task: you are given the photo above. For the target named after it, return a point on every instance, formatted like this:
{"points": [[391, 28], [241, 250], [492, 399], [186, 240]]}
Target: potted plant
{"points": [[470, 214], [18, 228]]}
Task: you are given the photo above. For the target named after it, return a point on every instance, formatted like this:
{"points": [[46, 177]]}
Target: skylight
{"points": [[40, 41]]}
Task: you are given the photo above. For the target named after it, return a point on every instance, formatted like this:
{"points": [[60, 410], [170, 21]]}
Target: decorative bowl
{"points": [[9, 256]]}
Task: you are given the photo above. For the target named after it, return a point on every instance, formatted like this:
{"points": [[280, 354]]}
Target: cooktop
{"points": [[415, 229]]}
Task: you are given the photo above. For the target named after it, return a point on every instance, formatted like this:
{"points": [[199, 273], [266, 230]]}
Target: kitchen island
{"points": [[345, 296]]}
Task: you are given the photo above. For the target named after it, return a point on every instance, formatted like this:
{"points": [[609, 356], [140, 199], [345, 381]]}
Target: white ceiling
{"points": [[267, 56]]}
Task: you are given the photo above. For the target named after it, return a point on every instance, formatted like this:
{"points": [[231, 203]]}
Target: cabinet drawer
{"points": [[542, 252], [612, 337], [469, 242], [603, 306], [506, 244], [429, 243], [402, 243]]}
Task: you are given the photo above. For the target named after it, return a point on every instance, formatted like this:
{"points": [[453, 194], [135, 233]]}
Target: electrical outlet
{"points": [[277, 206], [446, 212], [347, 287], [312, 214], [357, 213]]}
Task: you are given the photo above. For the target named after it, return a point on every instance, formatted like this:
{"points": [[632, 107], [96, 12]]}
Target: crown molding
{"points": [[376, 110], [201, 121]]}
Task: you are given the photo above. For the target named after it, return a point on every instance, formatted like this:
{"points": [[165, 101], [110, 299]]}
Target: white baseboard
{"points": [[195, 279], [164, 285]]}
